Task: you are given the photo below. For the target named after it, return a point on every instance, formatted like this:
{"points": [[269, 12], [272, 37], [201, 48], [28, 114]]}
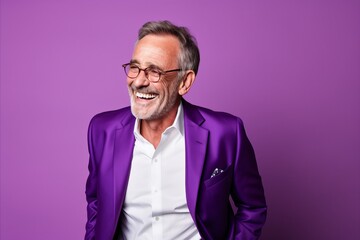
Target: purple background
{"points": [[289, 69]]}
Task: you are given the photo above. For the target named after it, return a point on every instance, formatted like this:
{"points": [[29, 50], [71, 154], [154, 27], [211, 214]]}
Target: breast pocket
{"points": [[220, 178]]}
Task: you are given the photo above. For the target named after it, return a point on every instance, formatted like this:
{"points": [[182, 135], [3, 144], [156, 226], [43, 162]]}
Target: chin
{"points": [[144, 115]]}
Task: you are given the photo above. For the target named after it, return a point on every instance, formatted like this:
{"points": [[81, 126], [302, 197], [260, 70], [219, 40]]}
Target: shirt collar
{"points": [[179, 119], [177, 124]]}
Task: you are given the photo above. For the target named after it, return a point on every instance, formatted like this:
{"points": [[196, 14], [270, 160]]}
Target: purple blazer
{"points": [[213, 140]]}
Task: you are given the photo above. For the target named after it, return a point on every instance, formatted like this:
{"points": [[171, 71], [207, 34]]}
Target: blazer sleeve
{"points": [[91, 189], [247, 192]]}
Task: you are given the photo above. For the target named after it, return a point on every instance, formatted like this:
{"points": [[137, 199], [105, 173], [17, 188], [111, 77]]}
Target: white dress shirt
{"points": [[155, 204]]}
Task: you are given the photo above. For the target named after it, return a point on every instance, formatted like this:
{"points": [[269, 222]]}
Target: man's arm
{"points": [[91, 190], [247, 192]]}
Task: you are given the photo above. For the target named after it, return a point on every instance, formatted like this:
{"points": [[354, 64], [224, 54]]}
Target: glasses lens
{"points": [[132, 71], [153, 75]]}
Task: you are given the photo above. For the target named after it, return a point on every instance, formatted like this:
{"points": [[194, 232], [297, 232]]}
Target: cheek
{"points": [[170, 85], [167, 89], [129, 81], [163, 89]]}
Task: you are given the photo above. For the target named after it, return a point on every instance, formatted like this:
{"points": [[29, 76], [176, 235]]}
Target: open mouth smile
{"points": [[146, 96]]}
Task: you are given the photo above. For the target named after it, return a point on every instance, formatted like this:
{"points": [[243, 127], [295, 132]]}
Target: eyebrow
{"points": [[134, 61]]}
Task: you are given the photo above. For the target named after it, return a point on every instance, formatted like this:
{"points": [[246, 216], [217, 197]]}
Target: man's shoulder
{"points": [[112, 118], [217, 114], [214, 116], [223, 124]]}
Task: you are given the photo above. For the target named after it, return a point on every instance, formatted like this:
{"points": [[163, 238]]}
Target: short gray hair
{"points": [[189, 57]]}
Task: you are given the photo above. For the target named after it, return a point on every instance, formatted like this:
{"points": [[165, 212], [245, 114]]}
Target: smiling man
{"points": [[164, 168]]}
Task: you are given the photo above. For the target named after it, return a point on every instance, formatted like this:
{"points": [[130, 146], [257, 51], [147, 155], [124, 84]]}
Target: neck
{"points": [[152, 130]]}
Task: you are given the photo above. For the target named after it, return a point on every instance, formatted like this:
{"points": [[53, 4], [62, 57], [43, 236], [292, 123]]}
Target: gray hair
{"points": [[189, 57]]}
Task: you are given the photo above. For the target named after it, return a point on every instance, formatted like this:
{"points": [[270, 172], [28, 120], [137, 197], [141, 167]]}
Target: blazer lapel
{"points": [[123, 150], [196, 138]]}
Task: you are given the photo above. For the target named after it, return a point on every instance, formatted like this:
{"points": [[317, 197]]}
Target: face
{"points": [[150, 101]]}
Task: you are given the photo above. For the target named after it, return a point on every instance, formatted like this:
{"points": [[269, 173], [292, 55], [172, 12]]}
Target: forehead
{"points": [[161, 50]]}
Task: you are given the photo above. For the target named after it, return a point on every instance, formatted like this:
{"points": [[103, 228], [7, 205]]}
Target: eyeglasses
{"points": [[153, 74]]}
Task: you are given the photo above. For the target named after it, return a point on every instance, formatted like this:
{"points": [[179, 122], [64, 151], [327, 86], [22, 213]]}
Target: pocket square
{"points": [[216, 172]]}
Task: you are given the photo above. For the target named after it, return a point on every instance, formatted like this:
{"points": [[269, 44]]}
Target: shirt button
{"points": [[156, 160], [157, 218]]}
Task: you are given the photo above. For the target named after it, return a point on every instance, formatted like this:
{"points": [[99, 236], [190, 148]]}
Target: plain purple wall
{"points": [[289, 69]]}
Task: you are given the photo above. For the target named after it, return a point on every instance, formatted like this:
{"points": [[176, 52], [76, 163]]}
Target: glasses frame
{"points": [[146, 71]]}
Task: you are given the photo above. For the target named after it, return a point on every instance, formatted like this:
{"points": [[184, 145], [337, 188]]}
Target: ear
{"points": [[187, 82]]}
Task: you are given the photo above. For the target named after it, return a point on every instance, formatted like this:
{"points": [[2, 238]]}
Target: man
{"points": [[164, 168]]}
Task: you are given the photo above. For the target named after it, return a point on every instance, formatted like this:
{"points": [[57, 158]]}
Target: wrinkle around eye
{"points": [[154, 68], [154, 72]]}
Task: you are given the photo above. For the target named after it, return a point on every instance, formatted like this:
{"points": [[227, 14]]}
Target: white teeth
{"points": [[145, 95]]}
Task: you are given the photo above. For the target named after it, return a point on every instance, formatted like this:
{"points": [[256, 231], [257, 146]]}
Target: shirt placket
{"points": [[156, 196]]}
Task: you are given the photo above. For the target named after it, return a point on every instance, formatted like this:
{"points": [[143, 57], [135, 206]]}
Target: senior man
{"points": [[164, 168]]}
